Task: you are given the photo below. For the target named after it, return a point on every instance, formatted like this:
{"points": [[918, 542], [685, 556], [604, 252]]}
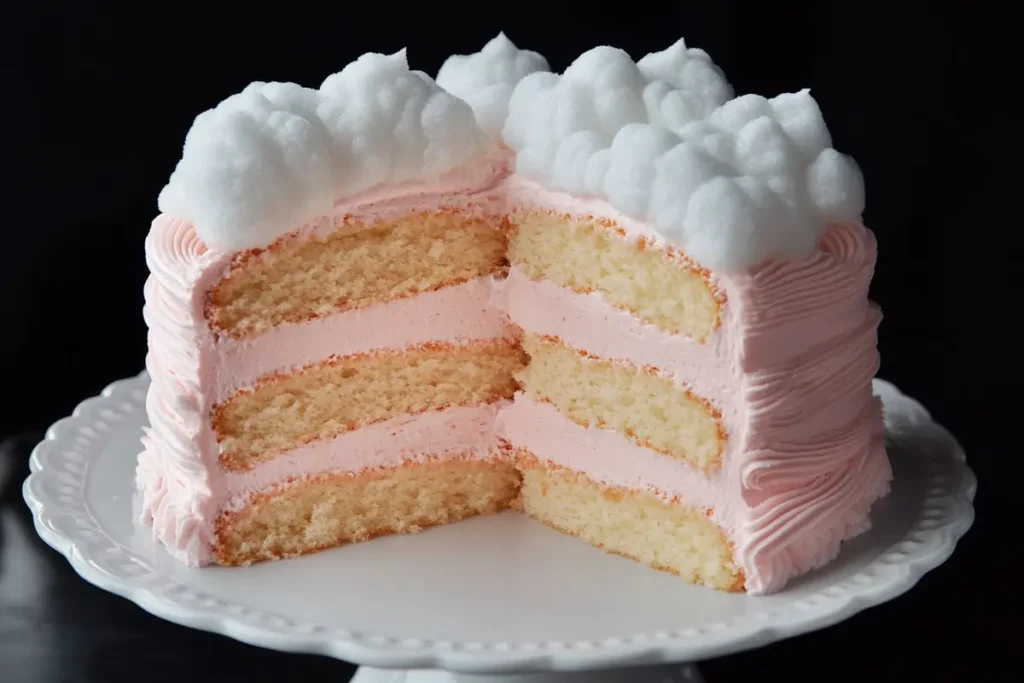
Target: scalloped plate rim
{"points": [[639, 649]]}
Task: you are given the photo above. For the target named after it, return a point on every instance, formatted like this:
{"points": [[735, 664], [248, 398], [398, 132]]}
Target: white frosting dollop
{"points": [[486, 79], [277, 155], [752, 180], [733, 183], [689, 70], [554, 119]]}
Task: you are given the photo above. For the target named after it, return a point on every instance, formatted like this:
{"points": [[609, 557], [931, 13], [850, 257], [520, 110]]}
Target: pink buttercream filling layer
{"points": [[588, 322], [607, 457], [790, 370], [455, 315], [462, 431]]}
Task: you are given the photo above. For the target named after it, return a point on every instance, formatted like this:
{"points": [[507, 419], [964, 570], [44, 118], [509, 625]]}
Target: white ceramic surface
{"points": [[490, 595]]}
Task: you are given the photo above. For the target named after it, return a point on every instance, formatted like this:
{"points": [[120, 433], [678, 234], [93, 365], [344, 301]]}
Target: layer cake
{"points": [[617, 299]]}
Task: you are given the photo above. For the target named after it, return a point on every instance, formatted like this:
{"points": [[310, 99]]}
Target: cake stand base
{"points": [[675, 673]]}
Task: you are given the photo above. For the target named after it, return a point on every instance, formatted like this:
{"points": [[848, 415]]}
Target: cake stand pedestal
{"points": [[497, 599], [648, 674]]}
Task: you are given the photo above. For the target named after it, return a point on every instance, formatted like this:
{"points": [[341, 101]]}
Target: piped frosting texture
{"points": [[698, 82], [486, 79], [811, 453], [175, 473]]}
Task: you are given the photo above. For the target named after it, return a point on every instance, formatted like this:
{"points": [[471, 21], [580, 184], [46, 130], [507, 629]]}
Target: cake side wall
{"points": [[175, 474], [811, 457]]}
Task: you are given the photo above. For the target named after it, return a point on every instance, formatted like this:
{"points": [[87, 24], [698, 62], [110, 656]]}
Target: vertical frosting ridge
{"points": [[812, 455], [173, 475]]}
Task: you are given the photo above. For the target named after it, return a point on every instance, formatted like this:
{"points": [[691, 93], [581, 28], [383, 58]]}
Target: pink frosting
{"points": [[606, 455], [455, 314], [790, 369], [464, 432]]}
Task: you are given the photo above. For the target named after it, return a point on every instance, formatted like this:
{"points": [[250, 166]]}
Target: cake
{"points": [[620, 300]]}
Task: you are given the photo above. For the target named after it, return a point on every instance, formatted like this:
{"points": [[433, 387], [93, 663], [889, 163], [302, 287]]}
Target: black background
{"points": [[96, 102]]}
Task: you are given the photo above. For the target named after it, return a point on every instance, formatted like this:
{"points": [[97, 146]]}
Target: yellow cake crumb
{"points": [[586, 255], [332, 510], [646, 408], [299, 279], [668, 536], [342, 394]]}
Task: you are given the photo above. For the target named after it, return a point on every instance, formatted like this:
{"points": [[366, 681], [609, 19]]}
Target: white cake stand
{"points": [[499, 599]]}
